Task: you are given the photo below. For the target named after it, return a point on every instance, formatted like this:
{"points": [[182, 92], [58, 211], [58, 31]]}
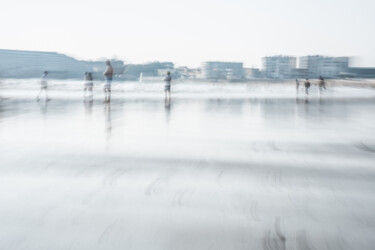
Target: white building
{"points": [[323, 66], [278, 66]]}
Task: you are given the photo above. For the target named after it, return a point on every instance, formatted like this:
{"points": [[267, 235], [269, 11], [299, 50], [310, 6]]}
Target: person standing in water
{"points": [[108, 74], [88, 84], [297, 85], [307, 86], [43, 86], [322, 84], [167, 86]]}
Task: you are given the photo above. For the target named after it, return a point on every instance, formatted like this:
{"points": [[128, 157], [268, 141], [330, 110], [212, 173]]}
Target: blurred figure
{"points": [[108, 120], [43, 107], [307, 86], [43, 86], [167, 86], [88, 104], [297, 85], [108, 74], [167, 103], [322, 84], [88, 85]]}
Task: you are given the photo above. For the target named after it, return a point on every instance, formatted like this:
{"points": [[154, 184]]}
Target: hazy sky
{"points": [[189, 32]]}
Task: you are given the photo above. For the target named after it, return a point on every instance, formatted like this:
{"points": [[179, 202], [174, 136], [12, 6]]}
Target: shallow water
{"points": [[244, 166]]}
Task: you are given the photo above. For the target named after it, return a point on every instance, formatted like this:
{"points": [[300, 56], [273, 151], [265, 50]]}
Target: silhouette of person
{"points": [[307, 86], [108, 74], [167, 86], [297, 85], [88, 84], [43, 86], [322, 84]]}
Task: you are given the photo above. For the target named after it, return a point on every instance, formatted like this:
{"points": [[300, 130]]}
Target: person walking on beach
{"points": [[88, 84], [108, 74], [322, 84], [297, 85], [167, 86], [43, 86], [307, 86]]}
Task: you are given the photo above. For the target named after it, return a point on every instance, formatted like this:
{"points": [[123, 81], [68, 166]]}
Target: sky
{"points": [[190, 32]]}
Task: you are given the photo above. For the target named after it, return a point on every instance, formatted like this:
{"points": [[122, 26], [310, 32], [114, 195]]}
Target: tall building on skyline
{"points": [[278, 66], [31, 64], [325, 66]]}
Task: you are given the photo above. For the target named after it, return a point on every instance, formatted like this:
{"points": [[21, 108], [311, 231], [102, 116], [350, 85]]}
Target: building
{"points": [[252, 73], [152, 69], [184, 72], [29, 64], [222, 70], [300, 73], [278, 67], [317, 65]]}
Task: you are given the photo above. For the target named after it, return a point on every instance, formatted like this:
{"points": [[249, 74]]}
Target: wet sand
{"points": [[209, 170]]}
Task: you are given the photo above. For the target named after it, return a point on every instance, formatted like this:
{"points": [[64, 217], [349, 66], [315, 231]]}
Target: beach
{"points": [[219, 166]]}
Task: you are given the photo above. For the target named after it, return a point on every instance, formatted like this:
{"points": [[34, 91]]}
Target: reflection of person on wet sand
{"points": [[108, 74], [43, 86], [297, 85], [108, 120], [43, 107], [88, 106], [167, 106]]}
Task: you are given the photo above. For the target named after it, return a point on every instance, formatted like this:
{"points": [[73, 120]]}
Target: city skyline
{"points": [[23, 64], [189, 33], [115, 58]]}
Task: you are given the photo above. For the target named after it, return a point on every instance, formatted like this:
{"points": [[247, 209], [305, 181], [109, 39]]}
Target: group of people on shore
{"points": [[307, 84], [108, 75]]}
